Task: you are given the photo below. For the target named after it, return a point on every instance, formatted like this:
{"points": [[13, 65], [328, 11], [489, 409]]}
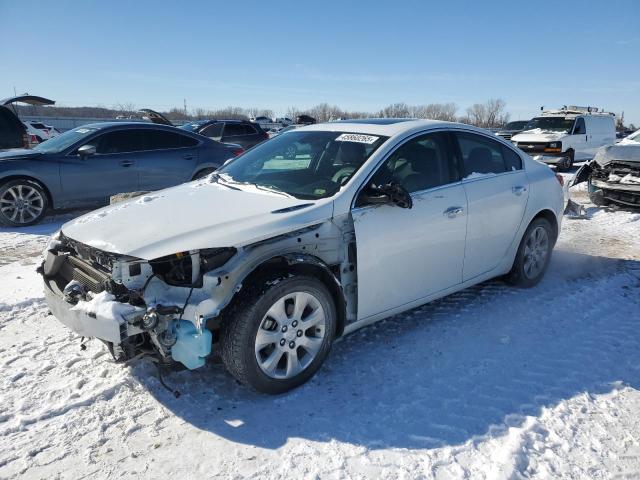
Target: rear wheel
{"points": [[22, 203], [534, 254], [279, 333]]}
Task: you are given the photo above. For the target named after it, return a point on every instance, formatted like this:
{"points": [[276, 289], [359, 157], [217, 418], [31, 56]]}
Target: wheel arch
{"points": [[549, 216], [301, 263]]}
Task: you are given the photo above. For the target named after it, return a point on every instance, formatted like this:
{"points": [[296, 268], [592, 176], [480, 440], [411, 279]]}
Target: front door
{"points": [[404, 255], [93, 179]]}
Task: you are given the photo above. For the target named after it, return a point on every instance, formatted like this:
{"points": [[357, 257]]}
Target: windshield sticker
{"points": [[356, 137]]}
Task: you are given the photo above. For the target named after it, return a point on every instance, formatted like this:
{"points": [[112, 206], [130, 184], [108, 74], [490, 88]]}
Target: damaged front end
{"points": [[615, 181], [132, 305]]}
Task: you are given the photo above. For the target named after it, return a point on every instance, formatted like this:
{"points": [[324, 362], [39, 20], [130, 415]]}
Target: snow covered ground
{"points": [[492, 382]]}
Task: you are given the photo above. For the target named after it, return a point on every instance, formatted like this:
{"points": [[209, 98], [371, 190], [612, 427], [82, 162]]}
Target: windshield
{"points": [[64, 140], [517, 125], [554, 124], [634, 137], [191, 127], [307, 165]]}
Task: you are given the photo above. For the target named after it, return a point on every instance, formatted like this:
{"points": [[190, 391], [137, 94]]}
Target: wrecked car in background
{"points": [[272, 257], [613, 175]]}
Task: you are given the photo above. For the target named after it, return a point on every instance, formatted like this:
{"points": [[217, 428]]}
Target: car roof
{"points": [[378, 126], [132, 123]]}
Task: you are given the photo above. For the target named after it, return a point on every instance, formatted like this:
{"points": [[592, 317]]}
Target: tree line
{"points": [[490, 114]]}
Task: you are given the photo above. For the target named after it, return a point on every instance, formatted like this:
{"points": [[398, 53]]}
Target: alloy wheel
{"points": [[22, 203], [536, 251], [290, 335]]}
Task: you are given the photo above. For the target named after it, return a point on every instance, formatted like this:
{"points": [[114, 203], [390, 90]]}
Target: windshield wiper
{"points": [[217, 178], [272, 188]]}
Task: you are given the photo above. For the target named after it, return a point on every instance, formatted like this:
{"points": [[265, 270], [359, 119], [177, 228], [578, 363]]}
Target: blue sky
{"points": [[358, 55]]}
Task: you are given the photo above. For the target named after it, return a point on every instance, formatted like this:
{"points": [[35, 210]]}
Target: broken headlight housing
{"points": [[185, 269]]}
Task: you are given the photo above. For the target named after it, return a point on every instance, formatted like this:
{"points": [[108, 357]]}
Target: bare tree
{"points": [[436, 111], [489, 114], [396, 110]]}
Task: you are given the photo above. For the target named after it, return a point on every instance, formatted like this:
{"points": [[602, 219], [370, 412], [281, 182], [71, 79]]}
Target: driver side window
{"points": [[580, 128], [424, 162]]}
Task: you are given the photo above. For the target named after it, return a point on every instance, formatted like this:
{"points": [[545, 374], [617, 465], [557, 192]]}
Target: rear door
{"points": [[170, 158], [111, 170], [497, 190]]}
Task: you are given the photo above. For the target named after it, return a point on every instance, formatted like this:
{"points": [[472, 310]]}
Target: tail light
{"points": [[34, 139], [237, 151], [265, 135], [560, 179]]}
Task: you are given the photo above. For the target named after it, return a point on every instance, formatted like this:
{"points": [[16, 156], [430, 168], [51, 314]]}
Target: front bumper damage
{"points": [[614, 182], [92, 294]]}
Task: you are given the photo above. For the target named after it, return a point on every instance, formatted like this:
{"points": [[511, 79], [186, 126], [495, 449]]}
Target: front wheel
{"points": [[279, 333], [22, 203], [534, 254]]}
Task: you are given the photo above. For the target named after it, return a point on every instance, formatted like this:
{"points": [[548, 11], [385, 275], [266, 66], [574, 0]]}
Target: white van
{"points": [[559, 137]]}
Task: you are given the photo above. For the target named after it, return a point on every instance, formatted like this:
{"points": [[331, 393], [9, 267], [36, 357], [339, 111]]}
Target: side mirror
{"points": [[392, 193], [86, 151]]}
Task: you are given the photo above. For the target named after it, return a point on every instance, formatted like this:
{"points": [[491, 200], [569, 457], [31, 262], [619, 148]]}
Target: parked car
{"points": [[284, 121], [240, 132], [305, 120], [13, 133], [269, 260], [613, 175], [39, 132], [262, 120], [632, 139], [83, 167], [512, 128], [560, 137]]}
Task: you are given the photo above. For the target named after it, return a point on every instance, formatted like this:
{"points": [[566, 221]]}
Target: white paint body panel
{"points": [[408, 254], [496, 208]]}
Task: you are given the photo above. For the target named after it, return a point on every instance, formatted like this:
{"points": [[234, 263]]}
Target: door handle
{"points": [[518, 190], [126, 163], [453, 212], [188, 157]]}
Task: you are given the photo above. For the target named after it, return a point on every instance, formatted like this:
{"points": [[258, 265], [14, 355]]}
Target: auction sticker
{"points": [[356, 137]]}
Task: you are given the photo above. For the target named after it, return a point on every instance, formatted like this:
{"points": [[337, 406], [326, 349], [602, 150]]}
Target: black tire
{"points": [[203, 173], [244, 318], [569, 163], [35, 205], [518, 275], [597, 198]]}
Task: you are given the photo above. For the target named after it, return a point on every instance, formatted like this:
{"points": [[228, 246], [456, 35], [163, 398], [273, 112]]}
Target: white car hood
{"points": [[538, 135], [192, 216]]}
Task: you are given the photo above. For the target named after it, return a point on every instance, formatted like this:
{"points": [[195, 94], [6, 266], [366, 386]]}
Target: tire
{"points": [[22, 203], [255, 328], [529, 266], [566, 166], [203, 173], [597, 198]]}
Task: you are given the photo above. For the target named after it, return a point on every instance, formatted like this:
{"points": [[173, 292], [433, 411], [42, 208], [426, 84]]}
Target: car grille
{"points": [[532, 147]]}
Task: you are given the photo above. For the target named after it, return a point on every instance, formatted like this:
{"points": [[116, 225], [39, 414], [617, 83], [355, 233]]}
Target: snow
{"points": [[492, 382]]}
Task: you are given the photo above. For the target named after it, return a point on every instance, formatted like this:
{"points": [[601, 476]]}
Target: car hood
{"points": [[618, 153], [193, 216], [19, 154], [538, 135]]}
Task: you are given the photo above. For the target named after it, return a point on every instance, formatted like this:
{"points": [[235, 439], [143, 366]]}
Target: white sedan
{"points": [[273, 256]]}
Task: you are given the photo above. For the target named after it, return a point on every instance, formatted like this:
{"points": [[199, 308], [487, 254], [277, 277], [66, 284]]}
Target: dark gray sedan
{"points": [[85, 166]]}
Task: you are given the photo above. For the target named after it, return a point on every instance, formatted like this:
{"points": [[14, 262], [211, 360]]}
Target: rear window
{"points": [[235, 129], [160, 140], [482, 155]]}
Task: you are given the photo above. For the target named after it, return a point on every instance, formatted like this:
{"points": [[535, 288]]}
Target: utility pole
{"points": [[185, 106]]}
